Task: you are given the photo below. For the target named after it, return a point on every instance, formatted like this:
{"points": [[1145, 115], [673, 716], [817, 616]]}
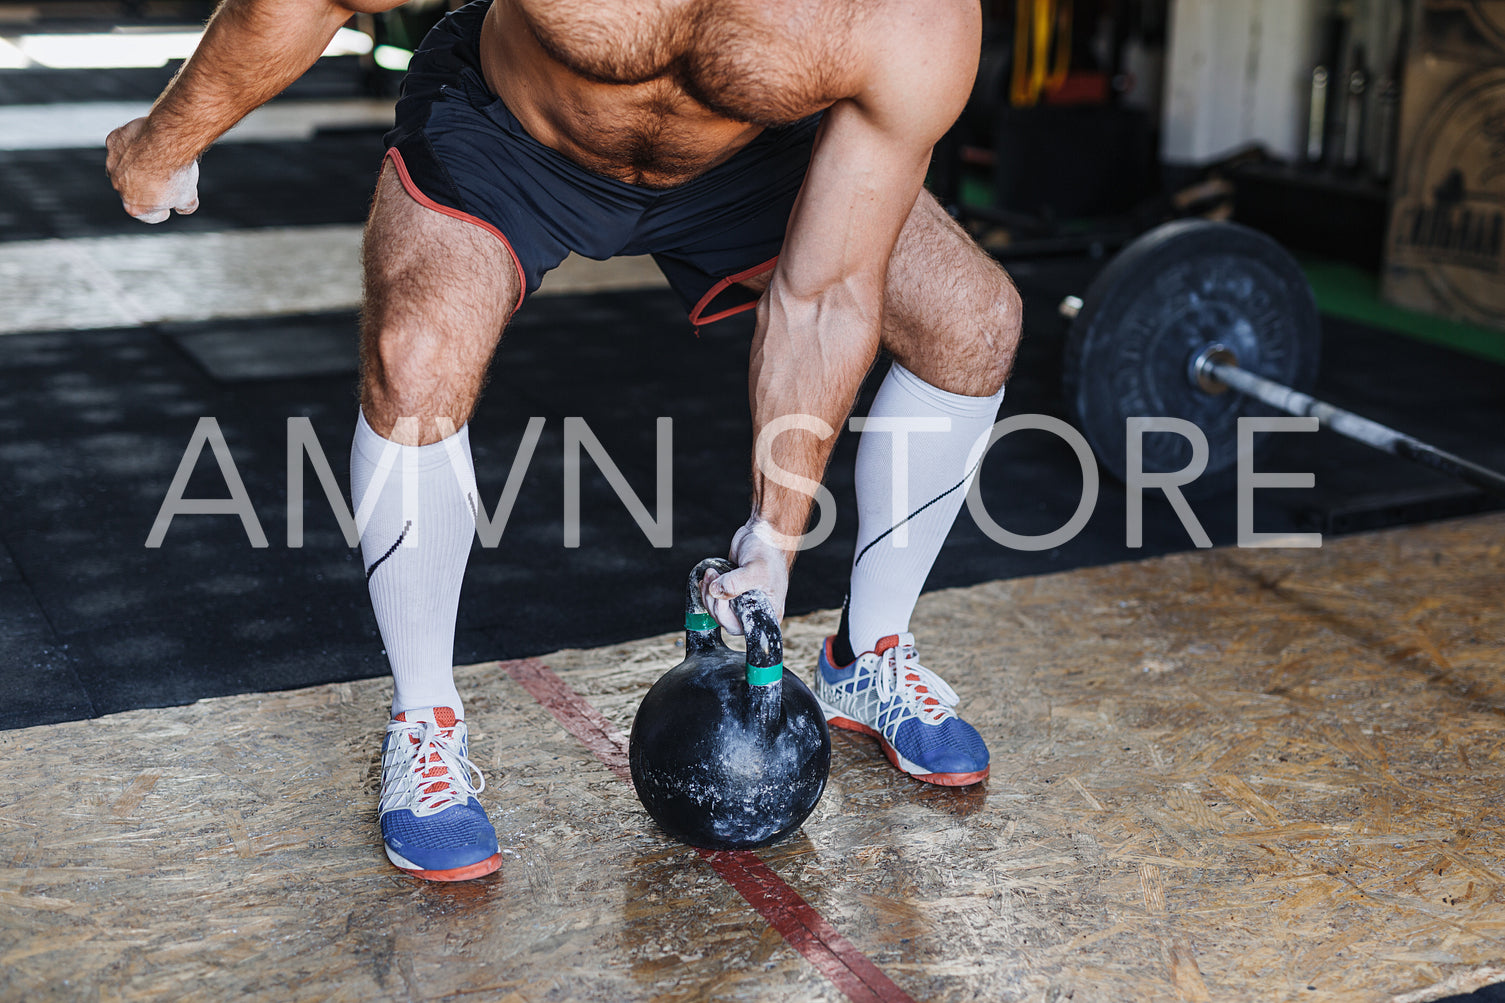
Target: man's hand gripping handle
{"points": [[760, 565]]}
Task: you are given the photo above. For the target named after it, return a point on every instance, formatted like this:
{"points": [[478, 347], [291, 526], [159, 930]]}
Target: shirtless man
{"points": [[768, 153]]}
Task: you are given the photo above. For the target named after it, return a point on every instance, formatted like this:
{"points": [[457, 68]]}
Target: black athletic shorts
{"points": [[460, 151]]}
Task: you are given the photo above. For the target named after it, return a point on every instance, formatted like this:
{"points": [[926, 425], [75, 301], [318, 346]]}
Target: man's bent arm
{"points": [[250, 52], [820, 322]]}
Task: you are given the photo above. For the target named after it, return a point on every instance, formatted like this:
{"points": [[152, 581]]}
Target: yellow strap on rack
{"points": [[1037, 23]]}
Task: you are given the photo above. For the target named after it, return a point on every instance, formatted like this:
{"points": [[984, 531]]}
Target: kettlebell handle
{"points": [[697, 617], [765, 644]]}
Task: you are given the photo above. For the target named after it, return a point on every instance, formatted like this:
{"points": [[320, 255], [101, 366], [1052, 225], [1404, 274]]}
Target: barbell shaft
{"points": [[1353, 426]]}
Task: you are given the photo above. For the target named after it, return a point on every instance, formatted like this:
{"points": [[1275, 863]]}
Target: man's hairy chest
{"points": [[767, 62]]}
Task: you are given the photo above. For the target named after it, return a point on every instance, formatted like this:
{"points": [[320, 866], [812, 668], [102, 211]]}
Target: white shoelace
{"points": [[900, 671], [434, 773]]}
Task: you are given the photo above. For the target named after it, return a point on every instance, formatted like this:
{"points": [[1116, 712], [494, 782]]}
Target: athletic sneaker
{"points": [[910, 710], [432, 823]]}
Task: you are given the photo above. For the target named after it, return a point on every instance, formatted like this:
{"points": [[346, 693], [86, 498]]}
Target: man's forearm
{"points": [[809, 357], [250, 52]]}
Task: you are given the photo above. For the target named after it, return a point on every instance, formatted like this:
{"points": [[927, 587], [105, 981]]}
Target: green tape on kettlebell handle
{"points": [[758, 675], [700, 621]]}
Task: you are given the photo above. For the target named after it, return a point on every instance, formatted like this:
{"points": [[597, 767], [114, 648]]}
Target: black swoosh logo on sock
{"points": [[390, 550], [916, 512]]}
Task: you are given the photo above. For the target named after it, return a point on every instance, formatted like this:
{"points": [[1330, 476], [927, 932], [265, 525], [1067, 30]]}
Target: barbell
{"points": [[1209, 322]]}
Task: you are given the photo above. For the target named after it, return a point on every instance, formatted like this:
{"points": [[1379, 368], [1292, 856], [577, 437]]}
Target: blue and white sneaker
{"points": [[431, 821], [910, 710]]}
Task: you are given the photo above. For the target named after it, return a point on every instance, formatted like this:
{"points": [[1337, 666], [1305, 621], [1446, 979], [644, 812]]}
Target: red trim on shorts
{"points": [[696, 317], [428, 203]]}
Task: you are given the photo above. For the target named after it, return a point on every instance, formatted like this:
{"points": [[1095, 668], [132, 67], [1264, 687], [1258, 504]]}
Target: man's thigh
{"points": [[438, 292], [951, 314]]}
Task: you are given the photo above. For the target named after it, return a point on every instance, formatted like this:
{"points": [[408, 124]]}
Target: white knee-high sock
{"points": [[418, 505], [898, 538]]}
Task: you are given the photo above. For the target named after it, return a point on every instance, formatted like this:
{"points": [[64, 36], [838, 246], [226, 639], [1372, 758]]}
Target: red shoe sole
{"points": [[478, 870], [942, 779]]}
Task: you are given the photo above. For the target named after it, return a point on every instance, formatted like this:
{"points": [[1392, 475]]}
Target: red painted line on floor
{"points": [[573, 711], [805, 929]]}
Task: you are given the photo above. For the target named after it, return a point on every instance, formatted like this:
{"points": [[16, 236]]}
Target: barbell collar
{"points": [[1199, 369]]}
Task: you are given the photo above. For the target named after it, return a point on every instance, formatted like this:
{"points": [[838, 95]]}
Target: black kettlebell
{"points": [[728, 752]]}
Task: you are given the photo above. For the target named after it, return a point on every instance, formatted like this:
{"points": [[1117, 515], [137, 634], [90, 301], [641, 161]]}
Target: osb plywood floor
{"points": [[1229, 775]]}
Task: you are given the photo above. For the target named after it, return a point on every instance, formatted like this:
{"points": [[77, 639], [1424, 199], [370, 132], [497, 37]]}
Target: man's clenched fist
{"points": [[149, 189]]}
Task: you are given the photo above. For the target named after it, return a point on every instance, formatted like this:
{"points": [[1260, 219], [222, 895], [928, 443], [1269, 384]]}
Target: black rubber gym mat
{"points": [[1489, 994], [271, 348]]}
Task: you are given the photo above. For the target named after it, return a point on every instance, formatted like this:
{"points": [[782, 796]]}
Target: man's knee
{"points": [[406, 373], [1003, 312], [400, 361], [988, 328]]}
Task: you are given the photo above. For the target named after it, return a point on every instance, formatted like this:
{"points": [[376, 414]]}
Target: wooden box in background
{"points": [[1445, 253]]}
